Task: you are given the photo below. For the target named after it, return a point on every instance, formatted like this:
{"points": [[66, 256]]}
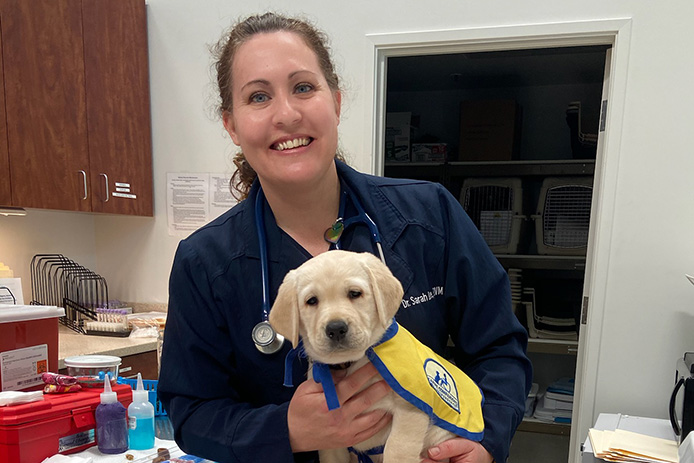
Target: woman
{"points": [[280, 103]]}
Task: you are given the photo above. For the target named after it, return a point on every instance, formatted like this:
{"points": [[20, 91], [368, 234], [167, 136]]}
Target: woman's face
{"points": [[284, 115]]}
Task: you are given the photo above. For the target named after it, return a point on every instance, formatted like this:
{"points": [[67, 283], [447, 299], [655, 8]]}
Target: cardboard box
{"points": [[489, 130], [429, 152], [398, 128], [28, 345], [60, 423]]}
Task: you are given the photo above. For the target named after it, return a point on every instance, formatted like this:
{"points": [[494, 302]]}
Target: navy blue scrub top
{"points": [[226, 399]]}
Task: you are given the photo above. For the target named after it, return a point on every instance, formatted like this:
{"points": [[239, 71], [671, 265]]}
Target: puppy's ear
{"points": [[284, 315], [386, 289]]}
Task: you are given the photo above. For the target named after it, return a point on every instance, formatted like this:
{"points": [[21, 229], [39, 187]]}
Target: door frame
{"points": [[615, 32]]}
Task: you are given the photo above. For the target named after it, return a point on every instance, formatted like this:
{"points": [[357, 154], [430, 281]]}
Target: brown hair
{"points": [[224, 53]]}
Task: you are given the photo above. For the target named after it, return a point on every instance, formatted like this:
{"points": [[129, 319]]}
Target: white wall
{"points": [[649, 305]]}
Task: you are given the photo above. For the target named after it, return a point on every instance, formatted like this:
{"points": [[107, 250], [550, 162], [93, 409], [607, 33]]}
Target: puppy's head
{"points": [[339, 302]]}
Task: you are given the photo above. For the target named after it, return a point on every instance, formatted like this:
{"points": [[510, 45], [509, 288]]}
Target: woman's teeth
{"points": [[289, 144]]}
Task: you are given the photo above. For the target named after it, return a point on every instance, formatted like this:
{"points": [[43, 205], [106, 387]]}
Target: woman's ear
{"points": [[337, 97], [230, 126]]}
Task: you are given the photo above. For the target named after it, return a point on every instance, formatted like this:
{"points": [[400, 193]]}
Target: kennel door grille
{"points": [[491, 209], [566, 216]]}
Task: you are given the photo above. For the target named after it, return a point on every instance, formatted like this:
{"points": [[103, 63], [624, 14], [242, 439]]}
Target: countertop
{"points": [[71, 343]]}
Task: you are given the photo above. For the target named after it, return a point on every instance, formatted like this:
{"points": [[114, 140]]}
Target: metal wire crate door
{"points": [[566, 216]]}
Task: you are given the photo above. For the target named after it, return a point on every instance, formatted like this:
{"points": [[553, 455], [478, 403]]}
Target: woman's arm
{"points": [[197, 384]]}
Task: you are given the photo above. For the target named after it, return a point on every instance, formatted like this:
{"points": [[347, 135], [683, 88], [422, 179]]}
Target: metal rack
{"points": [[59, 281]]}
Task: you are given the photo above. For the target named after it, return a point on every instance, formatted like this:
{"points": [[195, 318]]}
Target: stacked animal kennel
{"points": [[556, 224]]}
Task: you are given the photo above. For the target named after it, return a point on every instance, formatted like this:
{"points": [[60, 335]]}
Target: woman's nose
{"points": [[286, 111]]}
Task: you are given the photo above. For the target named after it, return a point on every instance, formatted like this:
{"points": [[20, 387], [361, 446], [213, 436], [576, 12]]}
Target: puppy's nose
{"points": [[336, 330]]}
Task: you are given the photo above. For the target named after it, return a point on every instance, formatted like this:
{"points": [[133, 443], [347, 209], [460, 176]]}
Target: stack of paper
{"points": [[556, 403], [627, 446]]}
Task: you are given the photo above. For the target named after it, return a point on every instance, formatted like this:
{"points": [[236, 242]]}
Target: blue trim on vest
{"points": [[292, 355], [365, 456], [321, 374]]}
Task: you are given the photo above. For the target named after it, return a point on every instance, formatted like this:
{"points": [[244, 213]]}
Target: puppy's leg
{"points": [[334, 456], [406, 440]]}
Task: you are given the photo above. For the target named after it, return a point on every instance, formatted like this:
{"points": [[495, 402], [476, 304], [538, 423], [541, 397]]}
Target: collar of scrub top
{"points": [[321, 371], [334, 233]]}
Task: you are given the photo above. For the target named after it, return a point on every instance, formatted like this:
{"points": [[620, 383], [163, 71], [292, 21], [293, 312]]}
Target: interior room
{"points": [[601, 95]]}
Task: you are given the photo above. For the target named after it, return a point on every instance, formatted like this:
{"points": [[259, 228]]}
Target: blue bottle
{"points": [[141, 418], [111, 422]]}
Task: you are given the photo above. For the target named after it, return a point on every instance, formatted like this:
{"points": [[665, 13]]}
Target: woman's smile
{"points": [[291, 143]]}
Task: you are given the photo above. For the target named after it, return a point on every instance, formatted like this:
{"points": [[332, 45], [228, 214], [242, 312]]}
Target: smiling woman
{"points": [[222, 387]]}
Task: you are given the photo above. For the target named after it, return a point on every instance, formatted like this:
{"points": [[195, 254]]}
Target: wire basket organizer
{"points": [[563, 218], [495, 206], [59, 281]]}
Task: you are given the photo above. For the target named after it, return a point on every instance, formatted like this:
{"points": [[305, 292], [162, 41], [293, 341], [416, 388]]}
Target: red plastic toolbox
{"points": [[60, 423]]}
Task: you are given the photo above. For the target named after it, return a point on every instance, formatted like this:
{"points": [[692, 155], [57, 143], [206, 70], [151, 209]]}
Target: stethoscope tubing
{"points": [[262, 240]]}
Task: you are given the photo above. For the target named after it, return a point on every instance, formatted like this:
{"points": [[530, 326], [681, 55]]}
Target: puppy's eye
{"points": [[354, 294], [312, 301]]}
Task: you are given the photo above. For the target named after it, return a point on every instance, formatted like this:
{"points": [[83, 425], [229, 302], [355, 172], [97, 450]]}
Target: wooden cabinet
{"points": [[5, 192], [118, 108], [145, 363], [77, 105]]}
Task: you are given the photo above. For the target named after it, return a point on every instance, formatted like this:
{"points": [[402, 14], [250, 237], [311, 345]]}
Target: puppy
{"points": [[342, 304]]}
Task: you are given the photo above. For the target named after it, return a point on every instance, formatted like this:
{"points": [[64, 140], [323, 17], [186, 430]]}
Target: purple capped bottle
{"points": [[111, 422]]}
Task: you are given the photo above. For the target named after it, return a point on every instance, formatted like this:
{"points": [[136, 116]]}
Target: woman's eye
{"points": [[312, 301], [304, 88], [259, 98], [354, 294]]}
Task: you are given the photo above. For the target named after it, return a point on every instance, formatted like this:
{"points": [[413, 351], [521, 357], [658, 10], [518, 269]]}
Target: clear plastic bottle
{"points": [[111, 422], [141, 418]]}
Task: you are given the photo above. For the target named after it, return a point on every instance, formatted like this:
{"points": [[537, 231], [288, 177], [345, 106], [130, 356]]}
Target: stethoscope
{"points": [[266, 339]]}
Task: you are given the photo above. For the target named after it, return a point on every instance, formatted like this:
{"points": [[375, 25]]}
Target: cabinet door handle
{"points": [[84, 178], [106, 182]]}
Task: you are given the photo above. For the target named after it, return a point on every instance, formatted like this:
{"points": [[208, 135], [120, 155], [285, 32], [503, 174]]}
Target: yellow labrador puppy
{"points": [[341, 304]]}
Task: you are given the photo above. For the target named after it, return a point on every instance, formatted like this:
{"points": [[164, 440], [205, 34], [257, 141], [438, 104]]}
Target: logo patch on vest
{"points": [[442, 382]]}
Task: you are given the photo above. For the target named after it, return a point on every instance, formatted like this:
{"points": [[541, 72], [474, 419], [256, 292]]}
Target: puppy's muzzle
{"points": [[336, 331]]}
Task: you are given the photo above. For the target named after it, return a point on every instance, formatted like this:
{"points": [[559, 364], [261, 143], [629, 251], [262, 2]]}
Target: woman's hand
{"points": [[312, 426], [458, 450]]}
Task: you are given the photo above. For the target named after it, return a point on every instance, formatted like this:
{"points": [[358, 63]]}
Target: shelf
{"points": [[552, 346], [541, 262], [522, 168], [493, 168], [433, 170], [543, 427]]}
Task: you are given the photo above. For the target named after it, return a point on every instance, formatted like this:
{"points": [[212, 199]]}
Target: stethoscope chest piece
{"points": [[266, 339]]}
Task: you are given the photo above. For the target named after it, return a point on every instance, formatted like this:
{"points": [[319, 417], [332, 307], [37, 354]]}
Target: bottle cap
{"points": [[108, 396], [140, 394]]}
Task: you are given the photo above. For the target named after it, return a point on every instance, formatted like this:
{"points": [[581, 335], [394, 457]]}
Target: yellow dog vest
{"points": [[423, 378], [429, 382]]}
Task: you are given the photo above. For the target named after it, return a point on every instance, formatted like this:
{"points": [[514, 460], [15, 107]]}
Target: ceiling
{"points": [[556, 66]]}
